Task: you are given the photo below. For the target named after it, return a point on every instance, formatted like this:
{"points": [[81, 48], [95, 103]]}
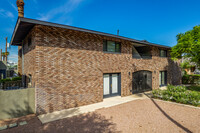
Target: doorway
{"points": [[111, 85], [142, 81]]}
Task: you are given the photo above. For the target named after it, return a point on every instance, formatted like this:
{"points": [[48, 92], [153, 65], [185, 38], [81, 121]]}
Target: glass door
{"points": [[111, 85], [106, 84], [114, 83]]}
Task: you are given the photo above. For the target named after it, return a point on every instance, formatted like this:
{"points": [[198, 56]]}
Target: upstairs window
{"points": [[163, 53], [113, 47]]}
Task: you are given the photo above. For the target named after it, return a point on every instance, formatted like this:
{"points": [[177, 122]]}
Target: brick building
{"points": [[71, 67]]}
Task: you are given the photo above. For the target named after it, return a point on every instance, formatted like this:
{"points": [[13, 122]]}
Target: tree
{"points": [[4, 54], [188, 46], [186, 65]]}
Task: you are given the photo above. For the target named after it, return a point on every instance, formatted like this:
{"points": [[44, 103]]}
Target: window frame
{"points": [[165, 54], [161, 78], [105, 47]]}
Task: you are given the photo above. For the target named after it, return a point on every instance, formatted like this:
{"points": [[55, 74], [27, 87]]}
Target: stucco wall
{"points": [[16, 103]]}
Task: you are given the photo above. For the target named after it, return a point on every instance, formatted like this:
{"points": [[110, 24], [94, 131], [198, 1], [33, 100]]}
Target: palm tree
{"points": [[4, 54]]}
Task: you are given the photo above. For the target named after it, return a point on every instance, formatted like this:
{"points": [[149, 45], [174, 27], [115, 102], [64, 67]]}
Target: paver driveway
{"points": [[136, 116]]}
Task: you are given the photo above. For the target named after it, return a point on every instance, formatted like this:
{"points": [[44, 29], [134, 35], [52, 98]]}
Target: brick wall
{"points": [[19, 66], [30, 67], [68, 67]]}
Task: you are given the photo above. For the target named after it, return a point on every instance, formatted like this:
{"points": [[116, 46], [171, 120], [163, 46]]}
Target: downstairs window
{"points": [[163, 78]]}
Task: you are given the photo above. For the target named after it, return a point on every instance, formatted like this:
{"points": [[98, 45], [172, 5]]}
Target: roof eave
{"points": [[38, 22], [15, 29]]}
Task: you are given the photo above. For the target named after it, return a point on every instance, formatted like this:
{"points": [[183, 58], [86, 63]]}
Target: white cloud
{"points": [[13, 6], [13, 57], [5, 13], [64, 9]]}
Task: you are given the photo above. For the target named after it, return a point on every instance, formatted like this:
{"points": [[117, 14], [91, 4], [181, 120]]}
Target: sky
{"points": [[157, 21]]}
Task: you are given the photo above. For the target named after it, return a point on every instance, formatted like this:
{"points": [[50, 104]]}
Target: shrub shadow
{"points": [[18, 111]]}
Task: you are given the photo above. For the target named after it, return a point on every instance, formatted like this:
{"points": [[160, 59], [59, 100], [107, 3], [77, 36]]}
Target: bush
{"points": [[191, 79], [178, 94], [4, 80], [16, 78], [9, 79]]}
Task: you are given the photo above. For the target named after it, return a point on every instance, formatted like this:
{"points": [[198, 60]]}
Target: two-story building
{"points": [[70, 66]]}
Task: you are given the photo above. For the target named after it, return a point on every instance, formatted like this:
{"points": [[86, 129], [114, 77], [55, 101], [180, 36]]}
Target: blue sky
{"points": [[157, 21]]}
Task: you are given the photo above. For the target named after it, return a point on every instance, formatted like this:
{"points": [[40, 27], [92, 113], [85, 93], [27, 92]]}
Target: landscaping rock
{"points": [[13, 125], [22, 123], [3, 127]]}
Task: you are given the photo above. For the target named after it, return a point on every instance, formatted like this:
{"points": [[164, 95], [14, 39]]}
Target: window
{"points": [[163, 53], [163, 78], [110, 46]]}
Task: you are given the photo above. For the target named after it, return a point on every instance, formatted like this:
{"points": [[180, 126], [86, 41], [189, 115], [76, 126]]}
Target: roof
{"points": [[2, 65], [24, 25]]}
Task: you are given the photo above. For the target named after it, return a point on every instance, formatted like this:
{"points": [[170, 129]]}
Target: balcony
{"points": [[141, 52]]}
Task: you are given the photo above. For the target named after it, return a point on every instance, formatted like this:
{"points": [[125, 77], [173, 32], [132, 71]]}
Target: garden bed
{"points": [[180, 94]]}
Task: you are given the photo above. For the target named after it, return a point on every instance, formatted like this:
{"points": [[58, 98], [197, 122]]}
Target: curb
{"points": [[180, 104]]}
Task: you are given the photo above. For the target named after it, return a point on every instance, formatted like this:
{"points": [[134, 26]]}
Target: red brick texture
{"points": [[68, 66], [19, 66]]}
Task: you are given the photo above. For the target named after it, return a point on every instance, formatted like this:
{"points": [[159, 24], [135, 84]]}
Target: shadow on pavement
{"points": [[170, 118]]}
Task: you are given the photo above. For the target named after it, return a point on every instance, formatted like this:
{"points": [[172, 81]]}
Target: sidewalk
{"points": [[108, 102]]}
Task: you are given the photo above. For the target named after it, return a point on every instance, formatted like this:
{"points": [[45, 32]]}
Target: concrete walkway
{"points": [[108, 102]]}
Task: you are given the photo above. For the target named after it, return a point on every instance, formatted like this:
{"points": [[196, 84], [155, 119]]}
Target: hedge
{"points": [[9, 79], [191, 79]]}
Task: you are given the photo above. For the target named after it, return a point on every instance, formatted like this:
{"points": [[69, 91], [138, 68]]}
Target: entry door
{"points": [[142, 81], [111, 85]]}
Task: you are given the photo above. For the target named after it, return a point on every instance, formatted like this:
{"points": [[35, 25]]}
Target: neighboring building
{"points": [[6, 71], [192, 67], [3, 69], [71, 67]]}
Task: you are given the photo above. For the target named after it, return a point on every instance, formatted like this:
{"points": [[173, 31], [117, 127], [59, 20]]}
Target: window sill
{"points": [[111, 52], [163, 85], [163, 57], [146, 58]]}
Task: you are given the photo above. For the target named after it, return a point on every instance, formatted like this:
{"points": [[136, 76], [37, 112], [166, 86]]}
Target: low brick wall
{"points": [[17, 103]]}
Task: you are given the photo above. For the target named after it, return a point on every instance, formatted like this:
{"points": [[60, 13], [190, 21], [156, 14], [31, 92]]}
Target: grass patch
{"points": [[180, 94]]}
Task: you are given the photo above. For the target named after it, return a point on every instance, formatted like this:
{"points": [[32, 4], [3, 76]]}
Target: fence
{"points": [[16, 103], [9, 85]]}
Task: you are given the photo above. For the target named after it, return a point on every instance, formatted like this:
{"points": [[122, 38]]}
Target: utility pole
{"points": [[6, 50]]}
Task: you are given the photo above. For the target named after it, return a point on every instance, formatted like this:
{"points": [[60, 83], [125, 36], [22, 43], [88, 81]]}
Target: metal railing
{"points": [[11, 85]]}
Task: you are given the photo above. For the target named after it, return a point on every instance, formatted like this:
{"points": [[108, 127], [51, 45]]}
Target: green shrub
{"points": [[16, 78], [178, 94], [191, 79], [4, 80], [9, 79]]}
